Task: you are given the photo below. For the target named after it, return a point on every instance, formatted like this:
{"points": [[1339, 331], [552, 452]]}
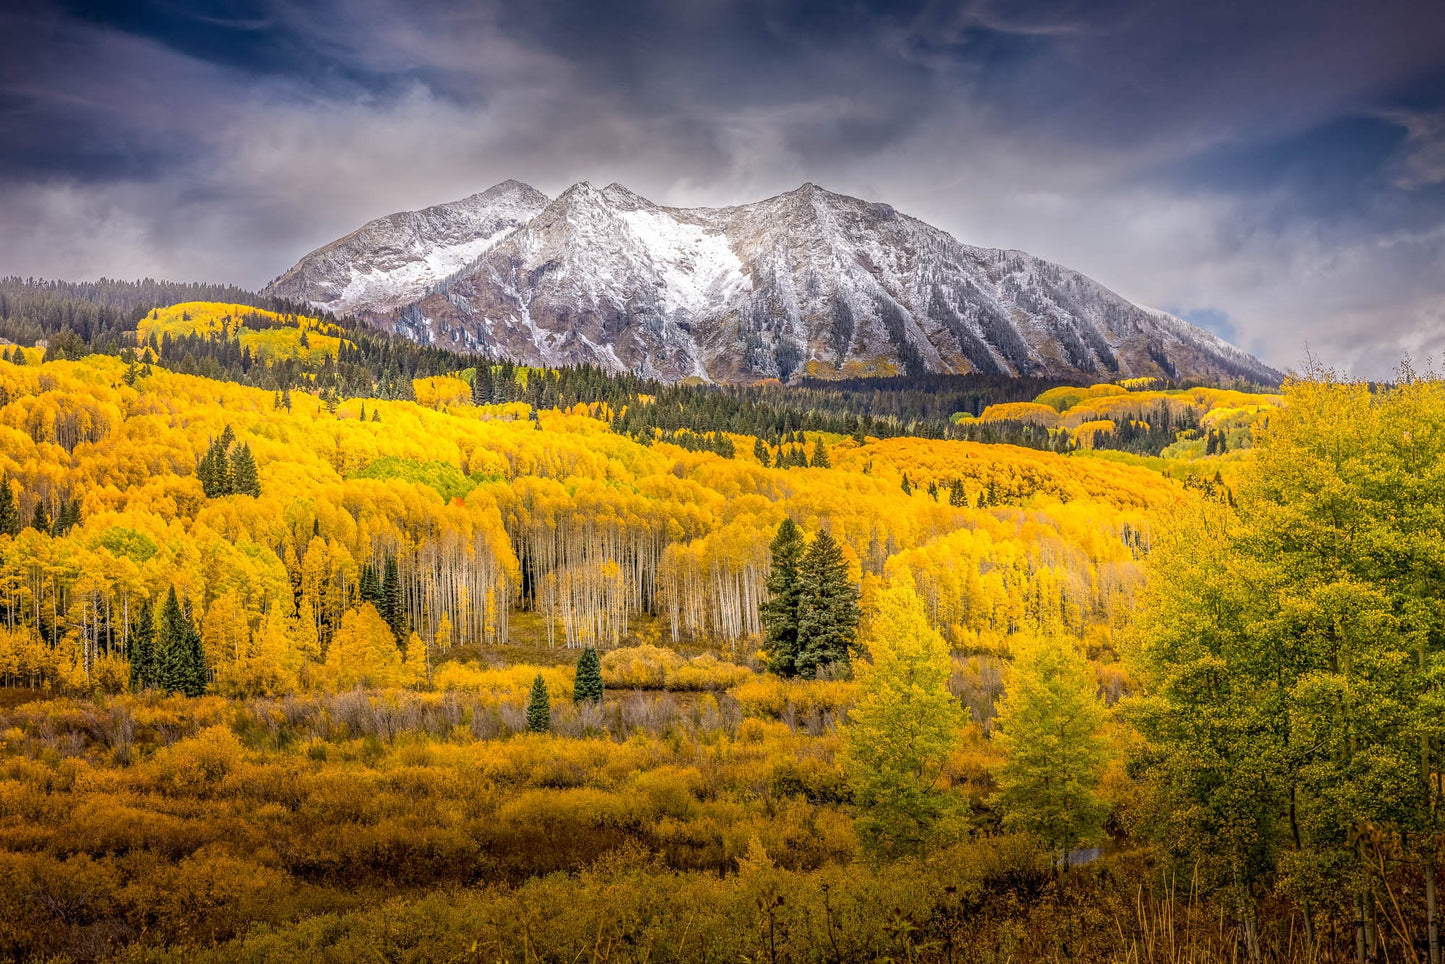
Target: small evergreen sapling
{"points": [[588, 686], [539, 708]]}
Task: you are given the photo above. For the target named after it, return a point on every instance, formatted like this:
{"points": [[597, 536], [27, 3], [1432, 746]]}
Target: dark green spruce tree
{"points": [[820, 456], [539, 708], [482, 384], [194, 683], [780, 612], [244, 480], [370, 588], [172, 646], [588, 685], [40, 521], [393, 610], [827, 607], [9, 509], [142, 651]]}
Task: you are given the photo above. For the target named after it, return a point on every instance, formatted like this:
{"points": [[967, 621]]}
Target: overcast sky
{"points": [[1273, 171]]}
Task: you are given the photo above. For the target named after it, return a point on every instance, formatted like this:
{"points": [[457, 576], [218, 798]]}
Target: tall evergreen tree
{"points": [[370, 586], [482, 384], [780, 612], [244, 480], [40, 520], [67, 517], [827, 607], [142, 651], [760, 451], [194, 682], [539, 708], [820, 456], [393, 609], [957, 497], [588, 686], [9, 509], [173, 670]]}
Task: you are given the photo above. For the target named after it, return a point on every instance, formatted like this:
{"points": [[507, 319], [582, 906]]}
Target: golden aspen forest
{"points": [[317, 646]]}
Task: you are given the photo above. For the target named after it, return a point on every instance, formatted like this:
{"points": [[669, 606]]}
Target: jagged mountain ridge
{"points": [[807, 282], [395, 260]]}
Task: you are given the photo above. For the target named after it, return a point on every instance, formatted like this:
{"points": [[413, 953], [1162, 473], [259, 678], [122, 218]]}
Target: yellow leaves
{"points": [[441, 391], [1039, 414], [268, 335], [362, 652], [652, 667], [505, 685], [771, 696], [198, 764]]}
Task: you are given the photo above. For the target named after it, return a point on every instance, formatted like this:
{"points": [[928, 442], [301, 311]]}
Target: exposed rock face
{"points": [[808, 282], [395, 260]]}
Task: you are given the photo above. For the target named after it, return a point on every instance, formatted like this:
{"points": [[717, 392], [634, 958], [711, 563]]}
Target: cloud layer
{"points": [[1274, 171]]}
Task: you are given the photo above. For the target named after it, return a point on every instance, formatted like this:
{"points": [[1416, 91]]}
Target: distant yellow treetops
{"points": [[483, 520], [266, 333]]}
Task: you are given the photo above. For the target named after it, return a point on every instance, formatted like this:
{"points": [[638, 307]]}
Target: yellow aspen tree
{"points": [[902, 730]]}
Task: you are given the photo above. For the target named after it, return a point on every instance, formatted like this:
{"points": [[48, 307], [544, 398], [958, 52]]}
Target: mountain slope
{"points": [[396, 260], [807, 282]]}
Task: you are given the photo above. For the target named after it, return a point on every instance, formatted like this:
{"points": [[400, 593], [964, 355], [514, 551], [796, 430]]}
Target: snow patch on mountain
{"points": [[696, 267], [370, 285]]}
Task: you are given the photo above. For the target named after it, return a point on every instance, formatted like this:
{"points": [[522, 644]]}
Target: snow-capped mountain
{"points": [[808, 282], [395, 260]]}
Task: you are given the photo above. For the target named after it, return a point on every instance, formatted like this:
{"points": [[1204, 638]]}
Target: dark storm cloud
{"points": [[1276, 171]]}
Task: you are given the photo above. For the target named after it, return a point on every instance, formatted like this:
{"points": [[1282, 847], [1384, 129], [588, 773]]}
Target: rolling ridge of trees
{"points": [[82, 317]]}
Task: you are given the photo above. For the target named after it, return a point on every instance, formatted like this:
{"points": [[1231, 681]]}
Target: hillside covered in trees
{"points": [[318, 643]]}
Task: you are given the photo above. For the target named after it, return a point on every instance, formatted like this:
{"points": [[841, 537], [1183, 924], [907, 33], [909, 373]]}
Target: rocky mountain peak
{"points": [[806, 282]]}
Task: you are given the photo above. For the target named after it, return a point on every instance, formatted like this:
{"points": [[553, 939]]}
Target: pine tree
{"points": [[827, 607], [820, 456], [9, 509], [760, 451], [66, 518], [370, 586], [906, 485], [206, 472], [40, 520], [933, 490], [482, 384], [393, 609], [244, 480], [780, 612], [172, 647], [539, 708], [141, 651], [957, 497], [588, 686], [195, 658]]}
